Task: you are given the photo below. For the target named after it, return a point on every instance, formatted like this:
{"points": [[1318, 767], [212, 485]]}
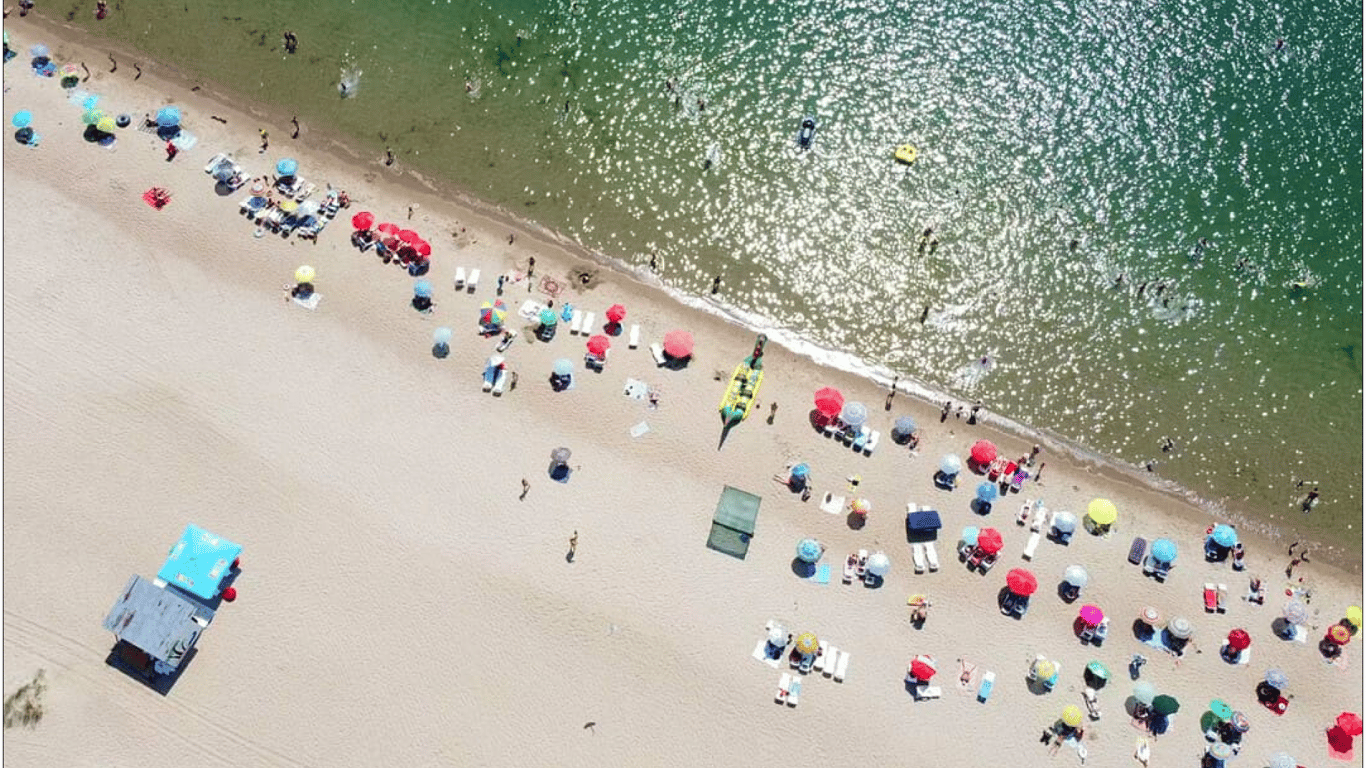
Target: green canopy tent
{"points": [[733, 524]]}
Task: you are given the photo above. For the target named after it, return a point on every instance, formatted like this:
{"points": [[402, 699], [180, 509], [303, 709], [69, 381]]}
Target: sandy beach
{"points": [[400, 604]]}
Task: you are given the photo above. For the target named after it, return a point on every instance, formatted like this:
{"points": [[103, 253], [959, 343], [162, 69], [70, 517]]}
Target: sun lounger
{"points": [[1137, 549], [918, 556], [850, 565], [1031, 545], [862, 568], [500, 383], [214, 161], [473, 281], [1017, 482], [784, 683], [634, 339], [873, 438], [931, 556], [1040, 516], [860, 439], [987, 562], [832, 427], [975, 559], [459, 278], [928, 692], [831, 661], [1223, 598], [576, 322], [1161, 571], [1087, 634], [1211, 598], [821, 657], [832, 504], [1102, 630], [657, 352], [805, 663], [984, 689], [1092, 704], [1026, 510], [1149, 566], [794, 693], [587, 329], [842, 666]]}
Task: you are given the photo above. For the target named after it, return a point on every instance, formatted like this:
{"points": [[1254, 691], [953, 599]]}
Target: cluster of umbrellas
{"points": [[1145, 693], [406, 243]]}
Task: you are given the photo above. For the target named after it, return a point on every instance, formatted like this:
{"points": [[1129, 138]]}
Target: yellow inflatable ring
{"points": [[906, 154]]}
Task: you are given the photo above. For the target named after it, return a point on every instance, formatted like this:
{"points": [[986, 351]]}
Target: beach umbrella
{"points": [[559, 455], [808, 550], [990, 540], [1065, 522], [1021, 582], [92, 116], [287, 167], [1350, 723], [548, 317], [1239, 639], [861, 507], [409, 236], [304, 274], [1277, 679], [777, 636], [1044, 669], [1220, 751], [1144, 693], [106, 125], [1224, 535], [423, 248], [904, 427], [1180, 628], [69, 70], [387, 228], [1281, 760], [442, 336], [492, 313], [1221, 710], [563, 367], [1071, 716], [38, 51], [615, 313], [923, 668], [1166, 705], [21, 119], [829, 402], [1150, 616], [986, 492], [1164, 550], [363, 220], [970, 535], [1353, 615], [423, 289], [807, 643], [1098, 670], [983, 451], [1240, 722], [289, 206], [679, 344], [1295, 612], [950, 464], [1092, 615], [879, 564], [1076, 576], [1102, 511], [801, 470], [854, 414], [1339, 634], [168, 117], [598, 345]]}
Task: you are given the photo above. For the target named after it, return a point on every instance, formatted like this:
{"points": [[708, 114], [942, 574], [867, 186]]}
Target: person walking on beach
{"points": [[573, 546], [525, 488], [944, 414], [295, 121], [265, 141], [530, 268], [171, 151], [772, 412]]}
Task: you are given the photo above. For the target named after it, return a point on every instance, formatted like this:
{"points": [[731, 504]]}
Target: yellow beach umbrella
{"points": [[1354, 615], [106, 124], [807, 643], [1071, 716], [304, 274], [1044, 669], [916, 600], [1102, 512], [289, 206]]}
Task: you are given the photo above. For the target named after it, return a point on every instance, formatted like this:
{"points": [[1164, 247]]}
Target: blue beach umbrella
{"points": [[854, 414], [564, 367], [904, 427], [567, 312], [1224, 535], [950, 464], [1065, 522], [987, 492], [441, 336], [801, 470], [39, 51], [22, 118], [287, 167], [168, 117], [1277, 679], [1164, 551], [422, 288], [808, 550]]}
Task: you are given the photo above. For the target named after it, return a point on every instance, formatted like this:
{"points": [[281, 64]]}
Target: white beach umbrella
{"points": [[1076, 576], [1180, 628], [879, 564]]}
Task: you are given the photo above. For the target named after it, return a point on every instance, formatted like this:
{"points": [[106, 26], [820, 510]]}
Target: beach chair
{"points": [[634, 338], [1223, 598], [831, 661], [842, 666], [873, 438], [804, 664], [821, 657], [984, 688], [995, 468], [918, 556], [860, 439], [1102, 630], [784, 683], [987, 562], [576, 323], [931, 556], [850, 566], [794, 692], [1031, 545], [1017, 481], [587, 329], [473, 281], [500, 383], [214, 161], [1161, 571], [1136, 550], [1211, 598], [657, 352], [833, 427], [927, 691], [1149, 566], [1092, 704], [975, 559], [1040, 516], [1087, 634], [862, 568], [459, 278]]}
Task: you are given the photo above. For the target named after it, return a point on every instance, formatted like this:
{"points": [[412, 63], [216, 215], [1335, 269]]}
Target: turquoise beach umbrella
{"points": [[987, 492], [801, 470], [808, 550], [287, 167], [422, 288], [563, 367], [168, 117], [548, 317], [441, 336], [22, 118], [1164, 550], [970, 535], [1224, 535]]}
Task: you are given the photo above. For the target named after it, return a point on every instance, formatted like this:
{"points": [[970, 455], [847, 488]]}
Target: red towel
{"points": [[156, 197]]}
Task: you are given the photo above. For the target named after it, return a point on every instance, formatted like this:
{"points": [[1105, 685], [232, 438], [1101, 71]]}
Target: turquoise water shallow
{"points": [[1060, 146]]}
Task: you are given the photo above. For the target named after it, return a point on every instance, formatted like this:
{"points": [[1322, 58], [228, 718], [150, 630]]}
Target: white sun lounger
{"points": [[918, 556], [500, 383], [576, 324], [842, 666], [928, 692], [832, 503], [871, 443], [587, 329], [1040, 515], [214, 161], [784, 683], [831, 661], [821, 657], [473, 281], [794, 693], [634, 339], [657, 351], [1032, 545], [931, 556], [459, 278]]}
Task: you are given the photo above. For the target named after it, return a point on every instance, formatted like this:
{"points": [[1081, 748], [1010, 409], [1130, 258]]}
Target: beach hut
{"points": [[155, 628], [199, 562]]}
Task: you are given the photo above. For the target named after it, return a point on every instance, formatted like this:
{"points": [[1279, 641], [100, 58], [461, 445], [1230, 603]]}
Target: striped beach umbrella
{"points": [[1339, 634], [1180, 628], [1277, 679]]}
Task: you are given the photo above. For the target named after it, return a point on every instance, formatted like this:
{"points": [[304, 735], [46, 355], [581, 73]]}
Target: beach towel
{"points": [[156, 197], [636, 389], [640, 429], [822, 574], [309, 302]]}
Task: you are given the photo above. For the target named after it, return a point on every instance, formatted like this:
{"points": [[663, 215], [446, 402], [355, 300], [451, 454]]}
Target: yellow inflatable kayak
{"points": [[740, 394], [906, 154]]}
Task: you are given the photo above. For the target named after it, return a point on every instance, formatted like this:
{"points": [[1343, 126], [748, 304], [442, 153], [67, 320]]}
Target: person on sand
{"points": [[573, 544], [295, 122], [525, 488], [265, 140], [101, 10], [171, 151]]}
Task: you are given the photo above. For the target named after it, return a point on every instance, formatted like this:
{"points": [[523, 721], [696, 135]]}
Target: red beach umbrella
{"points": [[678, 343], [989, 539], [983, 452], [423, 248], [1350, 722], [1021, 582], [829, 402], [1239, 640], [598, 345], [615, 313], [363, 220], [922, 668], [1339, 739], [388, 229], [409, 236]]}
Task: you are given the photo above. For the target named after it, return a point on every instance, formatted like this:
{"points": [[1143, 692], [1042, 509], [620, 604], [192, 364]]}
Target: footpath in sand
{"points": [[399, 604]]}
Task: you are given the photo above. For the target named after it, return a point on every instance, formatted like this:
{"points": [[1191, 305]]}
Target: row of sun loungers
{"points": [[1216, 597], [863, 440]]}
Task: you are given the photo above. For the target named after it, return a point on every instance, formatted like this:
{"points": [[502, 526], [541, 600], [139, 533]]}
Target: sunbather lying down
{"points": [[920, 611]]}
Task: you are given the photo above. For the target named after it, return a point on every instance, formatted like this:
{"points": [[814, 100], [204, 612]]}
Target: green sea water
{"points": [[1061, 145]]}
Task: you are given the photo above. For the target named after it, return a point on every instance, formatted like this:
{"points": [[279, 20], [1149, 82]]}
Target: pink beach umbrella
{"points": [[598, 345], [1350, 722], [1092, 615], [409, 236], [363, 220], [615, 313], [679, 344]]}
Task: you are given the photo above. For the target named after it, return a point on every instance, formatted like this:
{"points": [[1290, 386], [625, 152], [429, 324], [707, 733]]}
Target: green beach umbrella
{"points": [[1100, 671], [92, 116], [1165, 705]]}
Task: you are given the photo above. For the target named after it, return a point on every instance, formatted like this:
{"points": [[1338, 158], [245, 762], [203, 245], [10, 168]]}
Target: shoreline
{"points": [[436, 195]]}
